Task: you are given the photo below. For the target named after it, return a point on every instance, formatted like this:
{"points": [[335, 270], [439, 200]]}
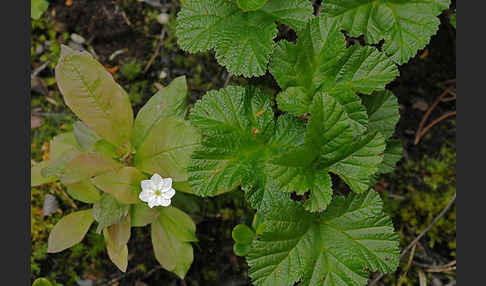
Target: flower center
{"points": [[158, 192]]}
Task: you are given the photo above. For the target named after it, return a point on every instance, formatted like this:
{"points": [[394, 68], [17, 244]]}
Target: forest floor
{"points": [[143, 56]]}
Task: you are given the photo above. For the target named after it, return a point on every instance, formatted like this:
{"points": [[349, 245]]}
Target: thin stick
{"points": [[39, 69], [434, 221], [427, 114], [157, 49], [444, 116]]}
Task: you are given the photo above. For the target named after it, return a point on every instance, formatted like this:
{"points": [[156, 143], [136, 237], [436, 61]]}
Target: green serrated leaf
{"points": [[123, 184], [328, 66], [116, 239], [243, 145], [393, 154], [70, 230], [250, 5], [235, 123], [337, 247], [92, 94], [172, 253], [453, 20], [108, 211], [242, 40], [168, 101], [167, 148], [406, 26], [383, 112]]}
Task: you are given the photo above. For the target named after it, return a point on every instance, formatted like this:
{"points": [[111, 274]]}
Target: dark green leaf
{"points": [[242, 234], [406, 26], [337, 247]]}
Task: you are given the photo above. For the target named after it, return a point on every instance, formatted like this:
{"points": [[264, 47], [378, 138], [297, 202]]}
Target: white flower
{"points": [[157, 191]]}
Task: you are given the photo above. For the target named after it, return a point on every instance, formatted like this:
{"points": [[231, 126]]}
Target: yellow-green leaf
{"points": [[116, 238], [70, 230], [92, 94], [123, 184]]}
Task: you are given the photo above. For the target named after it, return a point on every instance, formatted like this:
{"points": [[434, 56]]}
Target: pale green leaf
{"points": [[84, 191], [178, 223], [406, 26], [85, 136], [167, 149], [63, 148], [168, 101], [70, 230], [172, 253], [87, 165], [123, 184], [37, 8], [116, 239], [92, 94], [108, 211], [337, 247], [142, 215], [36, 178]]}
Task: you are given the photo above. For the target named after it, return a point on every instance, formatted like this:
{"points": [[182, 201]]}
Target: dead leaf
{"points": [[424, 54], [112, 70], [36, 121], [69, 3]]}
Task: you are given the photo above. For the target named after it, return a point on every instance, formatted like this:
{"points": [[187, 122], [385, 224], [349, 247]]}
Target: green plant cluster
{"points": [[333, 115], [101, 154]]}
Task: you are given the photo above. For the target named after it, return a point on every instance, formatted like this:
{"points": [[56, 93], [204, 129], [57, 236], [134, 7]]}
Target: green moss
{"points": [[420, 191], [130, 70]]}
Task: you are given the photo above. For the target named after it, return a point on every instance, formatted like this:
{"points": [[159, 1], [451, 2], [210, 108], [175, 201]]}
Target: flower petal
{"points": [[147, 185], [166, 183], [168, 194], [164, 202], [152, 203], [156, 179], [146, 195]]}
